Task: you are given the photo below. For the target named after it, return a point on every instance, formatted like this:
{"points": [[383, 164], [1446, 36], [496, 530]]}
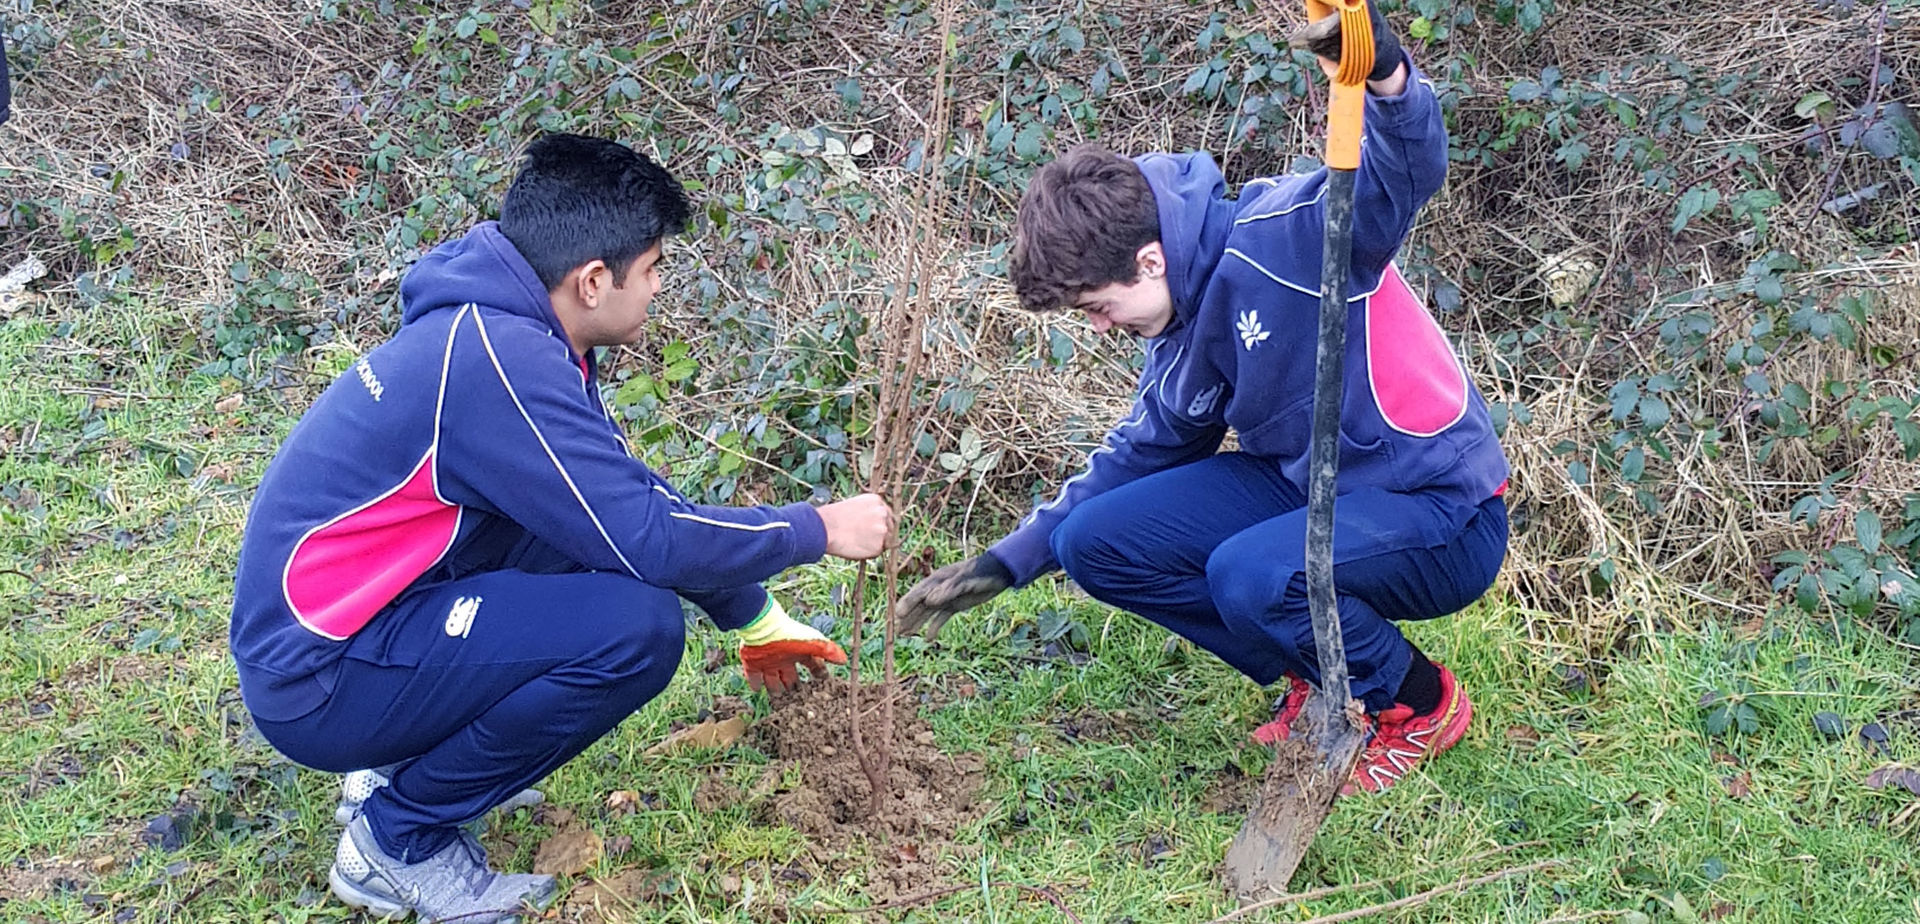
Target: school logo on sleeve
{"points": [[1203, 402], [1250, 330], [460, 617]]}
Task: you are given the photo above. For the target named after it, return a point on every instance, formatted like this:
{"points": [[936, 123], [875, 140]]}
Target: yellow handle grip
{"points": [[1348, 103]]}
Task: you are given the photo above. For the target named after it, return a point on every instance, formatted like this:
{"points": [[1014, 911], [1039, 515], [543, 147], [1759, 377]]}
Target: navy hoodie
{"points": [[475, 431], [1245, 279]]}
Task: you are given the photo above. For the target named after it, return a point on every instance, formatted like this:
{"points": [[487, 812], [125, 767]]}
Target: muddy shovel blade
{"points": [[1294, 800]]}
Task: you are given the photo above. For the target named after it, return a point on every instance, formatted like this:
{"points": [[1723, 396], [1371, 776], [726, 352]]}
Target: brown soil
{"points": [[820, 790], [816, 786], [24, 879], [1230, 793]]}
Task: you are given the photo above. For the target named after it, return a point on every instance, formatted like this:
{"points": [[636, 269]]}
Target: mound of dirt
{"points": [[824, 792]]}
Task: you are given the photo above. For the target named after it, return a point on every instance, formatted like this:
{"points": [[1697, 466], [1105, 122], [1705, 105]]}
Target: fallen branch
{"points": [[1397, 904], [924, 897], [1316, 894]]}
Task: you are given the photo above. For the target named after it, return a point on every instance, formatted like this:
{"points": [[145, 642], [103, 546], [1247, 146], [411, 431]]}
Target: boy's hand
{"points": [[858, 527], [1322, 37], [956, 587], [774, 647]]}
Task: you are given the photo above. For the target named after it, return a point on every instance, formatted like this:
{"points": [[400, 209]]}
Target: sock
{"points": [[1421, 690]]}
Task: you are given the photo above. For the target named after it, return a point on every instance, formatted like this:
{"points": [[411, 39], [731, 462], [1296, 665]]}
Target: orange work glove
{"points": [[773, 647]]}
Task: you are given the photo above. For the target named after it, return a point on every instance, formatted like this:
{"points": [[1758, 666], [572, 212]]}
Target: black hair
{"points": [[579, 199]]}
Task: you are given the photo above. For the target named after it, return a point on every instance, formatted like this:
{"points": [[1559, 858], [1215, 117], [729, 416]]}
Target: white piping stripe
{"points": [[1235, 251], [763, 527], [439, 402], [286, 570], [1170, 367], [481, 325], [1322, 194], [1105, 447]]}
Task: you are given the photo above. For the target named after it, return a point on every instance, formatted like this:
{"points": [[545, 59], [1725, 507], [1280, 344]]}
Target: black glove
{"points": [[1323, 39], [949, 590]]}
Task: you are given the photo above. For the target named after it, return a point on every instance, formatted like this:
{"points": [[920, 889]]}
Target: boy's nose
{"points": [[1100, 324]]}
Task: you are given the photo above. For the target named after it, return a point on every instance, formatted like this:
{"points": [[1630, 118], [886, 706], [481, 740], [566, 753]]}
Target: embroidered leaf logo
{"points": [[1250, 330]]}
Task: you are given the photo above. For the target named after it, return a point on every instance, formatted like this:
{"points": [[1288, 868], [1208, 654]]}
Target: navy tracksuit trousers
{"points": [[479, 685], [1215, 551]]}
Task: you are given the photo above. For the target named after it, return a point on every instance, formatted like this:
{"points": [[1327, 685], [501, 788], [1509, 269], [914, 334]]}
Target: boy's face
{"points": [[617, 315], [1143, 307]]}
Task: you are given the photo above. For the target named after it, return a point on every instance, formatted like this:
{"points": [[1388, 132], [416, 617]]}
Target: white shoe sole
{"points": [[374, 905]]}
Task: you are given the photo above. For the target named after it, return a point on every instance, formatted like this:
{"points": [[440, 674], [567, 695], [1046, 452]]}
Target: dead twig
{"points": [[1397, 904], [1317, 894], [924, 897]]}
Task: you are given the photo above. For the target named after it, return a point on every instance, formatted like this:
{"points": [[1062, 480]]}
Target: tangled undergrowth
{"points": [[1676, 250]]}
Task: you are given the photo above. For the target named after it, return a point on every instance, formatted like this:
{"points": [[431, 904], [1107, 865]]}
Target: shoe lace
{"points": [[477, 875], [1392, 727]]}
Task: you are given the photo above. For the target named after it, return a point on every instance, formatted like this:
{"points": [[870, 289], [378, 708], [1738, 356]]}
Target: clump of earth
{"points": [[815, 785], [824, 793]]}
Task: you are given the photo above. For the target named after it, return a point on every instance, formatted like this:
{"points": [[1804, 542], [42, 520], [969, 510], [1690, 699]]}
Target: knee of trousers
{"points": [[646, 648], [1081, 546], [1257, 596]]}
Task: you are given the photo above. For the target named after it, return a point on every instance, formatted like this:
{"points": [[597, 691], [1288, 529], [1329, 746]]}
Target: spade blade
{"points": [[1295, 798]]}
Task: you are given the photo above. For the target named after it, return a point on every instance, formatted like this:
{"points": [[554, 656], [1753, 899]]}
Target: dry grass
{"points": [[112, 88]]}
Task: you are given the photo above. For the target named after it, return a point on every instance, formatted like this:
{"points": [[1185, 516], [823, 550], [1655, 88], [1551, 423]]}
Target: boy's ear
{"points": [[1151, 260], [590, 282]]}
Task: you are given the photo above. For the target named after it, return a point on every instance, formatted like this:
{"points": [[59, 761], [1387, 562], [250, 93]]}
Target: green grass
{"points": [[119, 529]]}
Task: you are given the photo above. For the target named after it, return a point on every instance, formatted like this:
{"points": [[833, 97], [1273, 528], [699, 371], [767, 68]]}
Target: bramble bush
{"points": [[1683, 273]]}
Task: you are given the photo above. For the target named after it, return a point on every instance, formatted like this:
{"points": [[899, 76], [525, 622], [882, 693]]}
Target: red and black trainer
{"points": [[1401, 739], [1277, 730]]}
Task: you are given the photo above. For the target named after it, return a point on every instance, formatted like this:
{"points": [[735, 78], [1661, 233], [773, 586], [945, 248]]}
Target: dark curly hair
{"points": [[1081, 223]]}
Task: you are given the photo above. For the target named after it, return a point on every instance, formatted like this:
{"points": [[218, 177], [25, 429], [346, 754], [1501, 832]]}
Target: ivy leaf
{"points": [[1197, 80], [1654, 413], [1634, 465], [849, 90], [680, 370], [1026, 144], [1867, 528], [1693, 203], [1813, 105], [1626, 396], [1806, 594]]}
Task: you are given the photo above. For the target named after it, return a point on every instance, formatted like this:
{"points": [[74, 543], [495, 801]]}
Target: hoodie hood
{"points": [[1195, 217], [480, 268]]}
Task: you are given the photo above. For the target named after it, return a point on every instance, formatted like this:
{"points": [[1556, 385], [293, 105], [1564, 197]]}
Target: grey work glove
{"points": [[1322, 37], [959, 586]]}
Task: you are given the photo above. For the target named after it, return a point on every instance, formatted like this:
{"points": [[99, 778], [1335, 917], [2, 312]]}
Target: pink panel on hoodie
{"points": [[1417, 382], [345, 571]]}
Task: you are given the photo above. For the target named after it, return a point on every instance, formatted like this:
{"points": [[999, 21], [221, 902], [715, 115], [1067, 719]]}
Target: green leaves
{"points": [[1730, 713], [1815, 105], [1695, 202], [1867, 530]]}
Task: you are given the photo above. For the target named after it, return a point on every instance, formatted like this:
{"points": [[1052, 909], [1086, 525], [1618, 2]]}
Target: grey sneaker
{"points": [[355, 787], [454, 884]]}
